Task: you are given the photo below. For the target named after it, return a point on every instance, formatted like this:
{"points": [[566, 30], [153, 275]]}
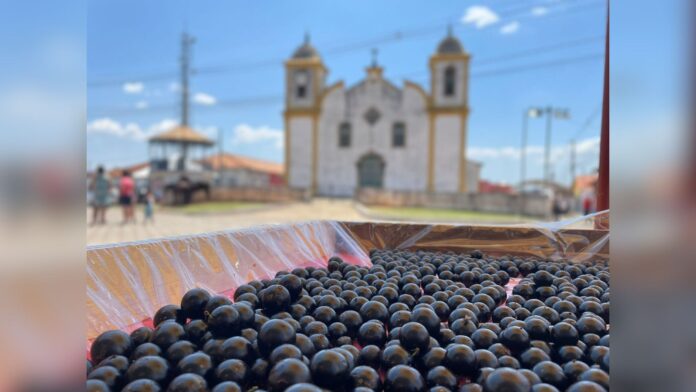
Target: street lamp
{"points": [[531, 112], [558, 113]]}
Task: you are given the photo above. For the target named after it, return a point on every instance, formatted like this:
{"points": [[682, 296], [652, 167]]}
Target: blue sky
{"points": [[133, 47]]}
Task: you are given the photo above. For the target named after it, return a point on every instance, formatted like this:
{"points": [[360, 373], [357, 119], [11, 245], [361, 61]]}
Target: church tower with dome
{"points": [[375, 134]]}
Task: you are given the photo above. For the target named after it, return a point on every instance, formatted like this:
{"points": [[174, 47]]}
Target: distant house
{"points": [[140, 171], [491, 187], [241, 171], [584, 183], [584, 190]]}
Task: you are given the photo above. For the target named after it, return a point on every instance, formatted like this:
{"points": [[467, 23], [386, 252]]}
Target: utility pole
{"points": [[523, 150], [534, 113], [572, 162], [560, 114], [547, 146], [221, 155], [185, 61]]}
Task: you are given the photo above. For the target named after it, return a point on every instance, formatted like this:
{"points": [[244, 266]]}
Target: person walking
{"points": [[149, 207], [560, 206], [588, 202], [126, 198], [101, 188]]}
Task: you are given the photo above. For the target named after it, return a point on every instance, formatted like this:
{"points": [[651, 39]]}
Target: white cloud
{"points": [[501, 152], [480, 16], [246, 134], [161, 126], [110, 126], [210, 131], [134, 131], [133, 87], [583, 147], [142, 105], [540, 11], [588, 145], [510, 28], [173, 86], [204, 99]]}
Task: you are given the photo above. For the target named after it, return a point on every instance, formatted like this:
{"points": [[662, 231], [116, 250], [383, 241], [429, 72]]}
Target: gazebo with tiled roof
{"points": [[180, 143]]}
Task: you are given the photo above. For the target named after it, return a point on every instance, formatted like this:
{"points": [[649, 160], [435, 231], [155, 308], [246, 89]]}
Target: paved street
{"points": [[172, 223]]}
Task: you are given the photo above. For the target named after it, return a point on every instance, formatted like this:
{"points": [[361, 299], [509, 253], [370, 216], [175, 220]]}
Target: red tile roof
{"points": [[583, 182], [118, 171], [490, 187], [230, 161], [182, 133]]}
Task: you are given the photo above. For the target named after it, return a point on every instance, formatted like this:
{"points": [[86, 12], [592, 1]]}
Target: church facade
{"points": [[376, 134]]}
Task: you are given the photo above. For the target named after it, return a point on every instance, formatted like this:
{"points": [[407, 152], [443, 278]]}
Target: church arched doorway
{"points": [[371, 171]]}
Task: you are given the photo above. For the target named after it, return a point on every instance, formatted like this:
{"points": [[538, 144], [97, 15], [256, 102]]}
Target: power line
{"points": [[266, 99], [546, 64], [590, 119], [232, 102], [551, 8], [525, 67], [400, 35], [540, 49], [509, 56]]}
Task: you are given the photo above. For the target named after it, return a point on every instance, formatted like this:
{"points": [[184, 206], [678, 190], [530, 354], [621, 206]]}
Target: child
{"points": [[149, 207]]}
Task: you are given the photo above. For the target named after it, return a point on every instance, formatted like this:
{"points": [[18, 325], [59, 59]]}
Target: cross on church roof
{"points": [[374, 57]]}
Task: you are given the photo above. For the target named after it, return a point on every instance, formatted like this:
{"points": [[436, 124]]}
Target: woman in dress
{"points": [[126, 198], [100, 187]]}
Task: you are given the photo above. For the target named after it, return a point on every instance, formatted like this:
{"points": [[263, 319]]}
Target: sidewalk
{"points": [[169, 223]]}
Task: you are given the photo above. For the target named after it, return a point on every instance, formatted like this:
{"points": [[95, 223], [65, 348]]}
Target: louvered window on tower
{"points": [[450, 78], [301, 81]]}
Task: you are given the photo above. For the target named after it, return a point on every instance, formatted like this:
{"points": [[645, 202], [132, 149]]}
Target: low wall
{"points": [[532, 205], [267, 195]]}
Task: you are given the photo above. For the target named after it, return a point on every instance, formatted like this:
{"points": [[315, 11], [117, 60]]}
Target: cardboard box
{"points": [[128, 282]]}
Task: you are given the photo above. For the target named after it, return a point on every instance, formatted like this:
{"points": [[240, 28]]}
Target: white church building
{"points": [[375, 134]]}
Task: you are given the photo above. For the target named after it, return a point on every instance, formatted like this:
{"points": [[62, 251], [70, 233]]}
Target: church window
{"points": [[301, 91], [399, 135], [301, 81], [372, 116], [344, 135], [450, 81]]}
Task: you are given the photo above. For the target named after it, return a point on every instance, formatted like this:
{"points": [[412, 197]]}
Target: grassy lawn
{"points": [[441, 214], [214, 207]]}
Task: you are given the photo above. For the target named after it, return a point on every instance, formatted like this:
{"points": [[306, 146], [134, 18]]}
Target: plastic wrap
{"points": [[128, 282]]}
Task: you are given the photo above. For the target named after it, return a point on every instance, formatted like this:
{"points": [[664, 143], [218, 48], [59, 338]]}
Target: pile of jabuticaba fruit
{"points": [[414, 321]]}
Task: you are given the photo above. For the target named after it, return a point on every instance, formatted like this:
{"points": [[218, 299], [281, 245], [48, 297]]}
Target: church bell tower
{"points": [[448, 114], [305, 76]]}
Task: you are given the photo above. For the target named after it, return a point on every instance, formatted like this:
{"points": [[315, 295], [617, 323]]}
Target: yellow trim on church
{"points": [[315, 151], [329, 90], [462, 156], [286, 162], [461, 110], [421, 91], [431, 152], [318, 71]]}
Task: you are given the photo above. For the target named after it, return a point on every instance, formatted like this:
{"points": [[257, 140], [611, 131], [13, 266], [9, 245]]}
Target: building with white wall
{"points": [[377, 134]]}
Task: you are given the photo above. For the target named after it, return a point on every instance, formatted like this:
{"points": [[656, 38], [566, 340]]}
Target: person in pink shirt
{"points": [[126, 196]]}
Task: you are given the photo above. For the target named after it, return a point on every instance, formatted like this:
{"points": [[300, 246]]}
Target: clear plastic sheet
{"points": [[128, 282]]}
